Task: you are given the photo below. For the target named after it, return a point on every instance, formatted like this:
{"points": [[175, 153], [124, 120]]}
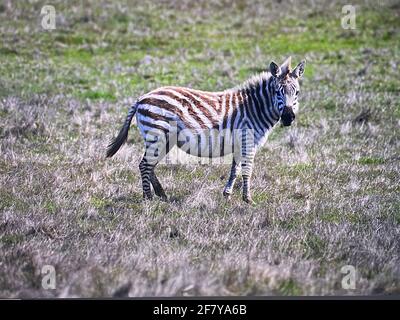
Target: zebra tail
{"points": [[115, 144]]}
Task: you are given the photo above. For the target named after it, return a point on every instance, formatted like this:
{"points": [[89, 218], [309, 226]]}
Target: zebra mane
{"points": [[252, 82]]}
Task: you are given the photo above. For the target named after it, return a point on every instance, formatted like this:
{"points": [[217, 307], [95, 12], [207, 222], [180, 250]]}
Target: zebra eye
{"points": [[297, 92]]}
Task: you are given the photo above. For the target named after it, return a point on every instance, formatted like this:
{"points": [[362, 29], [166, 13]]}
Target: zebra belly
{"points": [[204, 143]]}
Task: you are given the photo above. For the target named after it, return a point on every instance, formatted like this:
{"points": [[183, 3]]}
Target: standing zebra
{"points": [[208, 124]]}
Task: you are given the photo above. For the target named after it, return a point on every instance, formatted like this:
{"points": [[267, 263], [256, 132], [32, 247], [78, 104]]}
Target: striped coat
{"points": [[213, 124]]}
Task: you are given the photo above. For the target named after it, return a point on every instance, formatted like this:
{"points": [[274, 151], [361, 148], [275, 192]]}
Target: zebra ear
{"points": [[274, 69], [299, 70], [286, 66]]}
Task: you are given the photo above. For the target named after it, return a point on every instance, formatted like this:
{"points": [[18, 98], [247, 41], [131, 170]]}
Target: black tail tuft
{"points": [[114, 146]]}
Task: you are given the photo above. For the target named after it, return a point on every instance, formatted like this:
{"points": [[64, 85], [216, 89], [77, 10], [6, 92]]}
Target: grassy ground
{"points": [[327, 188]]}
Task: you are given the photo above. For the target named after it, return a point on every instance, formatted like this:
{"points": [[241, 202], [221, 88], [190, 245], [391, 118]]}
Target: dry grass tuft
{"points": [[327, 189]]}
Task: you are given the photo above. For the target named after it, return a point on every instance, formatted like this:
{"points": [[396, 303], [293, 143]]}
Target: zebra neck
{"points": [[258, 103]]}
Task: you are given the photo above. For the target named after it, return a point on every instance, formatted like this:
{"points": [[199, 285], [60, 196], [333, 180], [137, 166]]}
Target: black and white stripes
{"points": [[213, 124]]}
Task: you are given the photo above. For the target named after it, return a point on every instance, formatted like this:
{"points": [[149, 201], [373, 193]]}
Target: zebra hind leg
{"points": [[165, 147], [158, 189], [146, 169], [149, 177], [148, 164]]}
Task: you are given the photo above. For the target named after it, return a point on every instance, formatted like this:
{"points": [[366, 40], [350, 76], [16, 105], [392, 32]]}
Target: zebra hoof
{"points": [[248, 200], [147, 197], [227, 195]]}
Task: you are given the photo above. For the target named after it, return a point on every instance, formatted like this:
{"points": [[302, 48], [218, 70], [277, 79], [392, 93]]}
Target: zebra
{"points": [[251, 109]]}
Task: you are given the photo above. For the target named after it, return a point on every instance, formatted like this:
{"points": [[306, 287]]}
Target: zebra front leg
{"points": [[247, 170], [235, 169], [246, 189]]}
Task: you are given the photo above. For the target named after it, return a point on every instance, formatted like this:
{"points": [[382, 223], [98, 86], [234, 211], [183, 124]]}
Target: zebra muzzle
{"points": [[287, 116]]}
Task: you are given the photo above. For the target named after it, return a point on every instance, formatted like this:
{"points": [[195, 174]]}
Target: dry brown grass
{"points": [[326, 189]]}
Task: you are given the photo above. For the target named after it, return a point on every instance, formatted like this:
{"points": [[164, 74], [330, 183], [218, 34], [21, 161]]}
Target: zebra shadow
{"points": [[136, 198], [125, 200]]}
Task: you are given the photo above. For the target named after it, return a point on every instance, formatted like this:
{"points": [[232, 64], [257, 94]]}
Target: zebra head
{"points": [[286, 89]]}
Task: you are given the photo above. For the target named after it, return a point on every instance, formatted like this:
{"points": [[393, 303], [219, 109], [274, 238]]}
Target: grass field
{"points": [[326, 189]]}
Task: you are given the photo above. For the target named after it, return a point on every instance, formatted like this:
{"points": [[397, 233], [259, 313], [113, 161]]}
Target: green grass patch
{"points": [[332, 216], [98, 95], [289, 287], [99, 202], [314, 246], [12, 239], [9, 200], [299, 169], [8, 51], [50, 206], [370, 160]]}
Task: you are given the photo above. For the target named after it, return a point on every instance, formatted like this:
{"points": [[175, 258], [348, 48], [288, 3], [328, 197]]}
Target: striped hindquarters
{"points": [[189, 108]]}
